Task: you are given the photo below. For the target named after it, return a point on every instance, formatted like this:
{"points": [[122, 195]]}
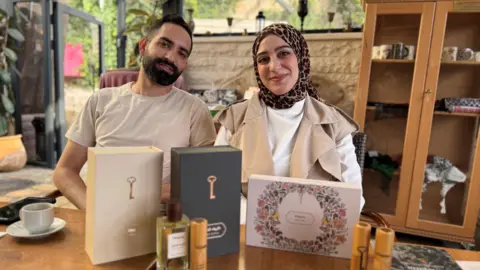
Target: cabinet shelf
{"points": [[403, 61], [393, 61], [370, 170], [457, 114], [461, 63], [461, 114]]}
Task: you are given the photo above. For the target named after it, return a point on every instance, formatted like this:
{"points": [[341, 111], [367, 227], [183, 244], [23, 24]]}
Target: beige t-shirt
{"points": [[118, 116]]}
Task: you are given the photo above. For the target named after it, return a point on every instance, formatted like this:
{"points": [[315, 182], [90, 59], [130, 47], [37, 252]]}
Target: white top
{"points": [[282, 133], [282, 130]]}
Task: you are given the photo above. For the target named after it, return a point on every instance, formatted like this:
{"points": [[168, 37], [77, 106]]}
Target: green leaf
{"points": [[151, 20], [137, 12], [15, 34], [136, 28], [7, 104], [3, 125], [145, 29], [10, 54], [5, 77], [22, 15], [3, 13], [15, 70]]}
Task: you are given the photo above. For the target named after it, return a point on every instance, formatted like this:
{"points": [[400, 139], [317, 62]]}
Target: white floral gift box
{"points": [[302, 215]]}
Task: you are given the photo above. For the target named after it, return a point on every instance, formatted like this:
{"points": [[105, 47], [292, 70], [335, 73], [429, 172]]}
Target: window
{"points": [[211, 15]]}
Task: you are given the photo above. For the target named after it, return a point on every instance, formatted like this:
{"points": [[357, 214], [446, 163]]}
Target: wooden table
{"points": [[65, 250]]}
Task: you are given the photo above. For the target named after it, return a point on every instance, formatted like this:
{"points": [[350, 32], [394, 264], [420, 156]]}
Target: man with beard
{"points": [[147, 112]]}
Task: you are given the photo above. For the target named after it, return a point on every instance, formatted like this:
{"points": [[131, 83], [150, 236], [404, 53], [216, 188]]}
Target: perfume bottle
{"points": [[384, 241], [172, 239], [198, 244]]}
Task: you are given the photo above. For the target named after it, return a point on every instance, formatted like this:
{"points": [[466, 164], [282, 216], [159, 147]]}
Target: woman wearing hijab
{"points": [[285, 129]]}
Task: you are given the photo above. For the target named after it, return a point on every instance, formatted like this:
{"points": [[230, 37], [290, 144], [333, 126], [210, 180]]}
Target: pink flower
{"points": [[342, 212], [261, 203], [259, 228]]}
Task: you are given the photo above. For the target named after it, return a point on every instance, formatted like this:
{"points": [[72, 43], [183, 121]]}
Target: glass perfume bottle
{"points": [[172, 239]]}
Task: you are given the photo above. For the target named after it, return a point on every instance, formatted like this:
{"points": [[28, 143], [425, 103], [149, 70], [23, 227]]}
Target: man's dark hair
{"points": [[173, 19]]}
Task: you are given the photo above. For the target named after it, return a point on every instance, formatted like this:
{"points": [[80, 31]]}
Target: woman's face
{"points": [[277, 65]]}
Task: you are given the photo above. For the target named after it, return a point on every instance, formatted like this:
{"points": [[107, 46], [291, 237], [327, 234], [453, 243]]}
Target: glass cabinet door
{"points": [[392, 73], [444, 196]]}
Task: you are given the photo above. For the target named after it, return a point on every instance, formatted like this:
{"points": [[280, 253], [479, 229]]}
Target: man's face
{"points": [[165, 55]]}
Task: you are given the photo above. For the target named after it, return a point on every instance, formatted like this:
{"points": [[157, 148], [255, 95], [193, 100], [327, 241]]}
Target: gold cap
{"points": [[361, 237], [384, 240], [198, 232]]}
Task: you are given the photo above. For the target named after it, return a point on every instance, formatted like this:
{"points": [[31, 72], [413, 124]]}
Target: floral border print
{"points": [[334, 221]]}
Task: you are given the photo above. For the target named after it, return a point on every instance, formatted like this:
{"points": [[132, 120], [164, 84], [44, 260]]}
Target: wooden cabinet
{"points": [[426, 179]]}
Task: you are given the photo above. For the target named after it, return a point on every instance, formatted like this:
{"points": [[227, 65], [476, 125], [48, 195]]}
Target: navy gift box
{"points": [[208, 182]]}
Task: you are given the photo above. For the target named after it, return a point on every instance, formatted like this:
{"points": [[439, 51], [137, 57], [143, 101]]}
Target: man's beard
{"points": [[157, 75]]}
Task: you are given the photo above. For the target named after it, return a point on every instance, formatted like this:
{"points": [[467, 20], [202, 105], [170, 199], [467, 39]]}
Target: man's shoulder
{"points": [[112, 91], [188, 98], [109, 93]]}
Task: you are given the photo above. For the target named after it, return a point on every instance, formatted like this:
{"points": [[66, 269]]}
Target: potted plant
{"points": [[12, 151], [139, 21]]}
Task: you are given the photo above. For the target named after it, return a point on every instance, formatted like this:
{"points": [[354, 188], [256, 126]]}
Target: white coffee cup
{"points": [[411, 52], [376, 52], [466, 54], [450, 53], [385, 51], [37, 217]]}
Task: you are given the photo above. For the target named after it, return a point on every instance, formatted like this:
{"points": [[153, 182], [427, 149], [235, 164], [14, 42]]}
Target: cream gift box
{"points": [[302, 215], [123, 202]]}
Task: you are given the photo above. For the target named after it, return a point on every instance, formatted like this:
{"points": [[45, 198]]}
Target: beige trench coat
{"points": [[314, 154]]}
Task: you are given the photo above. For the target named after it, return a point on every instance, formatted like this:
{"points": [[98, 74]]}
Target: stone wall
{"points": [[226, 62]]}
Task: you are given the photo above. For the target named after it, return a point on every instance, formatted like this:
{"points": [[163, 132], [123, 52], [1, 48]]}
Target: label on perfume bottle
{"points": [[176, 245]]}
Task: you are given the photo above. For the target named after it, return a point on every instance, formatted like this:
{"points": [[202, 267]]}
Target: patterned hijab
{"points": [[303, 87]]}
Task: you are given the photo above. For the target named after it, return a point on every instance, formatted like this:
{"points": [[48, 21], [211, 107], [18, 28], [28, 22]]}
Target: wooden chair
{"points": [[360, 142], [121, 76]]}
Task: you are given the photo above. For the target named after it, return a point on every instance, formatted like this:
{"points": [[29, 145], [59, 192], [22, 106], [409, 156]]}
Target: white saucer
{"points": [[17, 230]]}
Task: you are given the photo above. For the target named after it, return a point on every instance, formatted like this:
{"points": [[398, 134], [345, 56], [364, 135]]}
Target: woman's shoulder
{"points": [[330, 111], [342, 122], [233, 115]]}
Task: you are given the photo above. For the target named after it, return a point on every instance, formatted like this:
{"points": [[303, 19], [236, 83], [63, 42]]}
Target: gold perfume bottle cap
{"points": [[198, 244], [198, 232], [361, 236], [360, 246], [384, 240]]}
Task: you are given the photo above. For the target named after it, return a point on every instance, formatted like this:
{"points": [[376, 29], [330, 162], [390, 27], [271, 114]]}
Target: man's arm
{"points": [[67, 174], [80, 136], [202, 130], [165, 193]]}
